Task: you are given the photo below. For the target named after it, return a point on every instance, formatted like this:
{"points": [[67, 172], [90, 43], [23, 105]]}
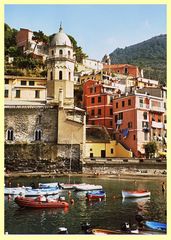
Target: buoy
{"points": [[18, 185], [9, 184], [72, 201]]}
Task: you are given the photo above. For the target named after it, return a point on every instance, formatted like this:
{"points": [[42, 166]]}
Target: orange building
{"points": [[138, 119], [125, 69], [98, 102]]}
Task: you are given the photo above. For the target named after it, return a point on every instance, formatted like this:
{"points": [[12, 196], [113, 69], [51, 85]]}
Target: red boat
{"points": [[28, 202], [94, 195]]}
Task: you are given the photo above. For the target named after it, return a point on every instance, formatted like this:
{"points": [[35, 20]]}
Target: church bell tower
{"points": [[60, 70]]}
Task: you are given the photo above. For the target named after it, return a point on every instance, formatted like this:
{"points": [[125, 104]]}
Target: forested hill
{"points": [[149, 55]]}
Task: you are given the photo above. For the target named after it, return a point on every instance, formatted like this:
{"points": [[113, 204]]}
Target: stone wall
{"points": [[26, 120], [42, 157]]}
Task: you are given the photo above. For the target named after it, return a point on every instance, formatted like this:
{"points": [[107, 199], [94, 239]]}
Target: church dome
{"points": [[61, 38]]}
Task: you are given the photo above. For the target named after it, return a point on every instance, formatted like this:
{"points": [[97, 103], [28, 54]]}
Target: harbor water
{"points": [[109, 213]]}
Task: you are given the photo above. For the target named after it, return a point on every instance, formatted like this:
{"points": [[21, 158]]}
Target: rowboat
{"points": [[49, 185], [156, 225], [40, 203], [29, 192], [87, 187], [135, 193], [97, 231], [15, 190], [94, 195]]}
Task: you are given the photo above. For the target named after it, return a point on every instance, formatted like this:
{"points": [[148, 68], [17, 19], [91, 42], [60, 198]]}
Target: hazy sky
{"points": [[98, 29]]}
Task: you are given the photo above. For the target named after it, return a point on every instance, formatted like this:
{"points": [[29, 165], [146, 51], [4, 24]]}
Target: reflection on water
{"points": [[108, 213]]}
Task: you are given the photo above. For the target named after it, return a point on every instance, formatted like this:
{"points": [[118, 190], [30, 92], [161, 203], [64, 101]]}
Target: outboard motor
{"points": [[86, 227], [63, 230], [139, 218], [125, 227]]}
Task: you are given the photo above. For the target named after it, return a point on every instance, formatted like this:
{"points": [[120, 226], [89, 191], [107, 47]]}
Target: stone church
{"points": [[47, 135]]}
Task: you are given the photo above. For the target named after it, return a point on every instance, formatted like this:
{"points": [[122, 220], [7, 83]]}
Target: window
{"points": [[159, 118], [6, 93], [99, 111], [111, 111], [117, 105], [92, 112], [129, 102], [99, 99], [91, 90], [23, 83], [111, 123], [126, 70], [123, 103], [92, 100], [116, 118], [38, 135], [60, 52], [6, 81], [69, 54], [60, 75], [141, 102], [129, 124], [69, 76], [145, 124], [92, 122], [17, 94], [121, 116], [10, 134], [31, 83], [153, 117], [37, 94], [51, 75], [134, 137], [111, 150], [52, 52], [145, 115]]}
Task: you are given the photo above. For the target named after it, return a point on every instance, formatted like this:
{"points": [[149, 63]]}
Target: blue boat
{"points": [[156, 225], [93, 195]]}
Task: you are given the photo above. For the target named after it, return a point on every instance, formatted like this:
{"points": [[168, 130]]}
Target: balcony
{"points": [[157, 109], [157, 124], [119, 121], [143, 106]]}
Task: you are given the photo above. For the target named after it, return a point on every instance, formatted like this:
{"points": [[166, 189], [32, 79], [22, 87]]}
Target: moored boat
{"points": [[87, 187], [135, 193], [156, 225], [40, 203], [95, 195], [16, 190]]}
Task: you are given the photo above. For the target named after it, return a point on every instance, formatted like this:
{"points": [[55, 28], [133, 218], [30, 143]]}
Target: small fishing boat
{"points": [[16, 190], [41, 191], [87, 187], [156, 225], [95, 195], [49, 185], [40, 203], [135, 194]]}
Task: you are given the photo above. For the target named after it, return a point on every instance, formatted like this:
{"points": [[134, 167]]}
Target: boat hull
{"points": [[95, 195], [34, 203], [135, 194]]}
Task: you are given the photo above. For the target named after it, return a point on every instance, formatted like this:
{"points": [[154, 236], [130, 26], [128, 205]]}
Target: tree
{"points": [[150, 149]]}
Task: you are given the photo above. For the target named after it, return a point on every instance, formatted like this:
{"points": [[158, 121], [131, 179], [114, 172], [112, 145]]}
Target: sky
{"points": [[98, 29]]}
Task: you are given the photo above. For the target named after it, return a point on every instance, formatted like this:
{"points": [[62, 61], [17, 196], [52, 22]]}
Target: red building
{"points": [[125, 69], [138, 119], [98, 102]]}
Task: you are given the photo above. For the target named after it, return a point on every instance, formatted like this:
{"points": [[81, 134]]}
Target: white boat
{"points": [[16, 190], [135, 194], [87, 187], [49, 185], [29, 192]]}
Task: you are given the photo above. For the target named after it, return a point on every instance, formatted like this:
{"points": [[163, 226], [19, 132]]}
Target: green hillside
{"points": [[149, 55]]}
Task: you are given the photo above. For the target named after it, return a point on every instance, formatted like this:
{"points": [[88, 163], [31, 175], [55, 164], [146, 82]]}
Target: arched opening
{"points": [[60, 75], [60, 52], [38, 135], [10, 134], [69, 76], [69, 54], [51, 75]]}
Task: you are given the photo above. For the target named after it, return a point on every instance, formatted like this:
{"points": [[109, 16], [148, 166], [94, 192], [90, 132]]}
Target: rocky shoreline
{"points": [[92, 175]]}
